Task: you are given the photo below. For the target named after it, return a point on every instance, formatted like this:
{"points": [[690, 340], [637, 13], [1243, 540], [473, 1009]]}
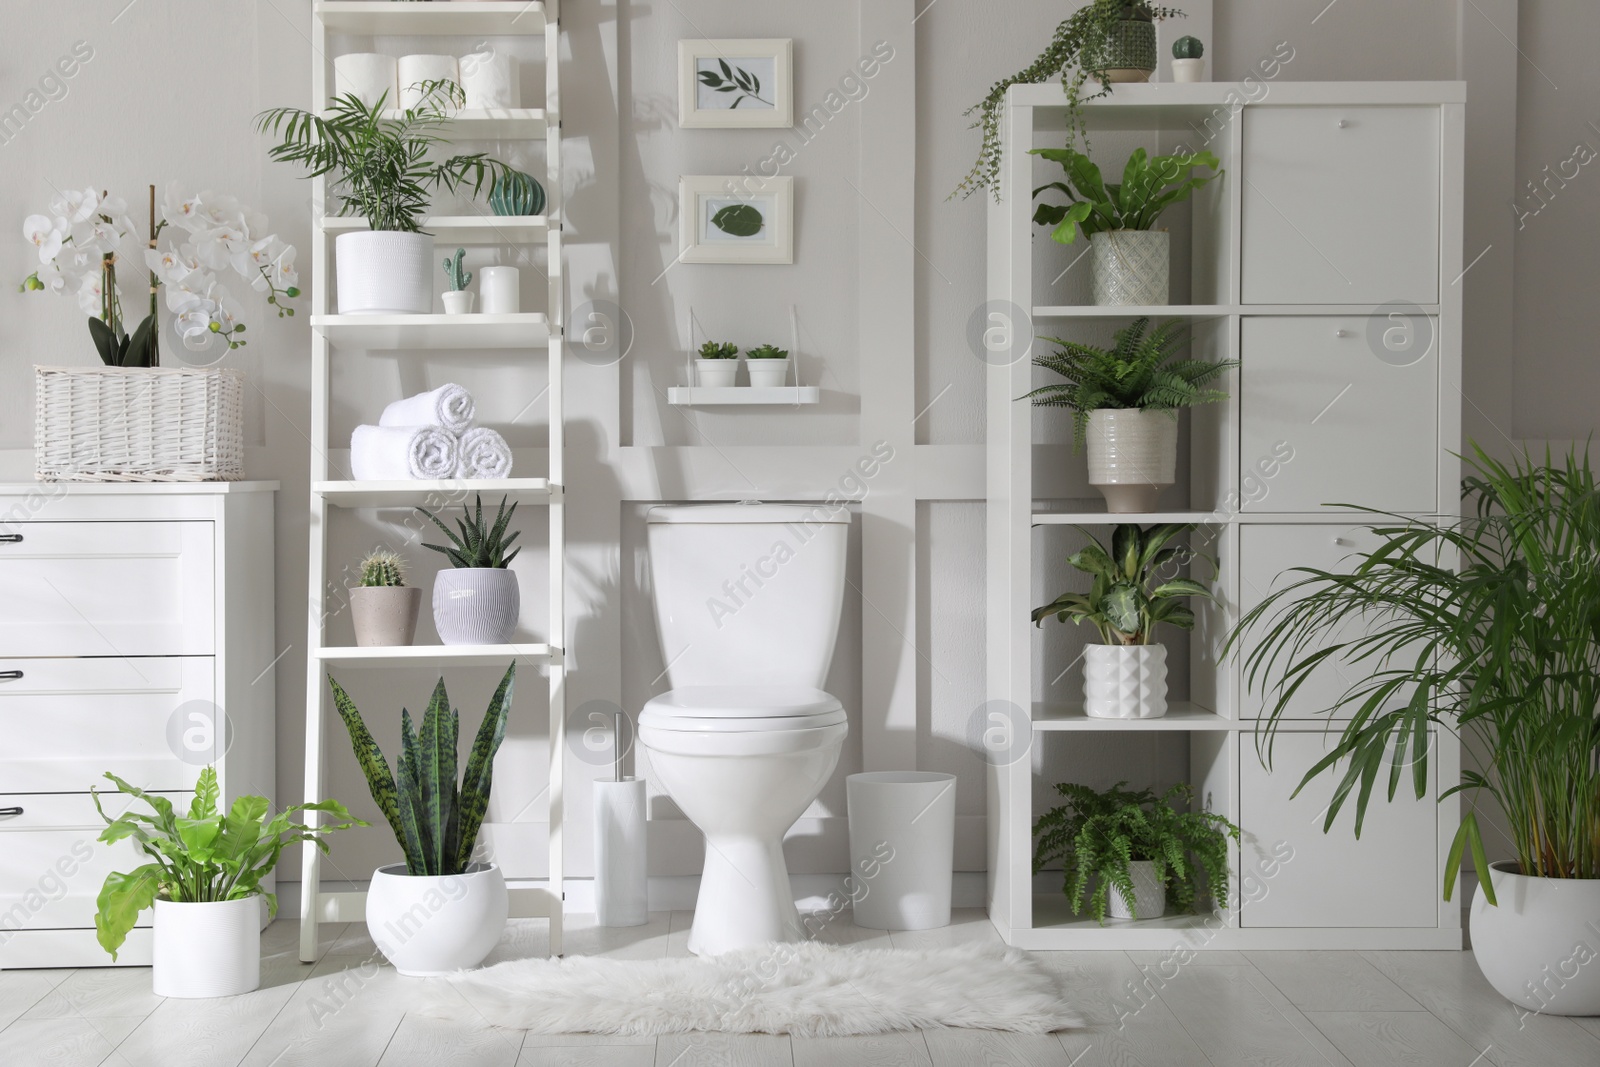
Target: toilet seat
{"points": [[725, 709]]}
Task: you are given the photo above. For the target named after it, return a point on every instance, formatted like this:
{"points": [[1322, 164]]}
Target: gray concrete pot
{"points": [[385, 615], [476, 605]]}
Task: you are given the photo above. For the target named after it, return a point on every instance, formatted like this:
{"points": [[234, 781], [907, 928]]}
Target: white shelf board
{"points": [[1105, 518], [491, 123], [463, 229], [493, 18], [701, 396], [382, 332], [405, 494], [1181, 715], [457, 655], [1054, 926], [1134, 311]]}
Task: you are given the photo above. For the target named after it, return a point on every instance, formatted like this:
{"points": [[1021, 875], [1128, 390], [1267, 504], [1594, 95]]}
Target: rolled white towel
{"points": [[449, 406], [392, 453], [484, 454]]}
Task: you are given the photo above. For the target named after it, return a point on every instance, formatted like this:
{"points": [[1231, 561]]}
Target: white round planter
{"points": [[1125, 681], [206, 950], [1149, 894], [476, 605], [716, 373], [431, 926], [767, 373], [457, 302], [1129, 267], [1539, 946], [1188, 70], [1133, 455], [384, 272]]}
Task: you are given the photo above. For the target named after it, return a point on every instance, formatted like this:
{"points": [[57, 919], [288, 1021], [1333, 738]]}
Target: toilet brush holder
{"points": [[621, 896]]}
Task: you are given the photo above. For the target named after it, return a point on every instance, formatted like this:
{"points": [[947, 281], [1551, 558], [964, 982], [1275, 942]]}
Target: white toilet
{"points": [[747, 607]]}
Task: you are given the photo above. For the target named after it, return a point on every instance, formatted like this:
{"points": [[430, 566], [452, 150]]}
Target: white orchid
{"points": [[46, 233], [76, 206], [91, 295]]}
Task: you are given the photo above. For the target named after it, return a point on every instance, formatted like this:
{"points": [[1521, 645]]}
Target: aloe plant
{"points": [[383, 569], [477, 546], [435, 820]]}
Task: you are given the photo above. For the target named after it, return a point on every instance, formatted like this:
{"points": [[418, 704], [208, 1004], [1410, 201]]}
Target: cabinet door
{"points": [[1387, 878], [1341, 205], [1356, 427]]}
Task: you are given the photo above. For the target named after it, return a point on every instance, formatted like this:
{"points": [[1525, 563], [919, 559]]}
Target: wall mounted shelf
{"points": [[388, 332], [496, 123], [489, 18], [406, 494], [464, 229], [745, 395]]}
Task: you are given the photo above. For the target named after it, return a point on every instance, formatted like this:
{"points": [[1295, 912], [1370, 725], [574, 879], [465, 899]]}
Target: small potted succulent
{"points": [[383, 608], [457, 301], [1188, 62], [718, 365], [768, 365], [1129, 853], [1134, 588], [441, 910], [477, 601]]}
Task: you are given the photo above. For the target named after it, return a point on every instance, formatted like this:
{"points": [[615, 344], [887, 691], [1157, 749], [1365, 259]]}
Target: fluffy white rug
{"points": [[806, 989]]}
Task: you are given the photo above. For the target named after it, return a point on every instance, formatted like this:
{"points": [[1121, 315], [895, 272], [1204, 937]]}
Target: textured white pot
{"points": [[457, 302], [206, 950], [1129, 267], [1540, 946], [384, 272], [430, 926], [767, 373], [1188, 70], [1149, 894], [716, 373], [1125, 681], [476, 605], [1133, 455]]}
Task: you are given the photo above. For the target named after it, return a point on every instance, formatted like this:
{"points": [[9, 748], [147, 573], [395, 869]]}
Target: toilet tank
{"points": [[747, 594]]}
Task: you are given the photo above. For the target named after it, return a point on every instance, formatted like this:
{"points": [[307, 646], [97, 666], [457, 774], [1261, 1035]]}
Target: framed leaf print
{"points": [[735, 84], [735, 218]]}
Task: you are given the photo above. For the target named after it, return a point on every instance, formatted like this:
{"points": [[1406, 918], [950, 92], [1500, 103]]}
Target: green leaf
{"points": [[739, 220], [206, 792], [437, 771], [122, 897], [380, 782], [1123, 608], [479, 778]]}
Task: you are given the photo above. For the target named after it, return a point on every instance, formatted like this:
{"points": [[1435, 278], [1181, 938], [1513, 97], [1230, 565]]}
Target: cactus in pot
{"points": [[457, 301], [1188, 62], [383, 608]]}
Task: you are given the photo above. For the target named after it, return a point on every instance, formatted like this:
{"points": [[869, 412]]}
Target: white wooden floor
{"points": [[1224, 1009]]}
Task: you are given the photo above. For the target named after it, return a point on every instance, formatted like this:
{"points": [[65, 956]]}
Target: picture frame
{"points": [[731, 83], [734, 218]]}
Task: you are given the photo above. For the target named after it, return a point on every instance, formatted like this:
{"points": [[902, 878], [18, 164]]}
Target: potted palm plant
{"points": [[1125, 401], [203, 881], [383, 608], [1486, 627], [441, 910], [1134, 589], [1129, 853], [384, 170], [477, 601]]}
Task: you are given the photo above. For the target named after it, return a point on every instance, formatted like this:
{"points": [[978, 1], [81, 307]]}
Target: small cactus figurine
{"points": [[1187, 64], [1188, 48], [383, 568], [459, 278]]}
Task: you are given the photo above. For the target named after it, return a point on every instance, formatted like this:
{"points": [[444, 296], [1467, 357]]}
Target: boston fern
{"points": [[435, 821], [1139, 371], [1095, 836], [477, 546]]}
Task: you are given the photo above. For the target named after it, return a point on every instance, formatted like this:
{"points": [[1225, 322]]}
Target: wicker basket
{"points": [[144, 424]]}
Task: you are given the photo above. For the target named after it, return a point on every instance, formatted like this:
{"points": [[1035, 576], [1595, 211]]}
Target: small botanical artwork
{"points": [[735, 219], [730, 84]]}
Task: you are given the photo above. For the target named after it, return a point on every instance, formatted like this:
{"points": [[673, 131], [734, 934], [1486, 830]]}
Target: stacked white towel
{"points": [[449, 406], [430, 436], [484, 454], [392, 453]]}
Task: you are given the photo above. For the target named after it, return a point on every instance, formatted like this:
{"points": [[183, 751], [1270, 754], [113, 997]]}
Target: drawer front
{"points": [[107, 589], [1341, 205], [68, 721], [1387, 878], [1363, 429]]}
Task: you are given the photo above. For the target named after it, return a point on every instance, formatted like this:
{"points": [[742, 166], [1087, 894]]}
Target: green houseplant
{"points": [[1488, 627], [457, 300], [203, 881], [1134, 588], [436, 820], [718, 365], [1132, 853], [383, 608], [477, 601], [768, 365], [1125, 401]]}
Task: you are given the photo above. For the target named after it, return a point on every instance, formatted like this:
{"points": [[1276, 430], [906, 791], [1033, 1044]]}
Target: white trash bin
{"points": [[902, 846]]}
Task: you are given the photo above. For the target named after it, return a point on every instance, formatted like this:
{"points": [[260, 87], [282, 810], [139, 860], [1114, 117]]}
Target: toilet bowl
{"points": [[747, 601]]}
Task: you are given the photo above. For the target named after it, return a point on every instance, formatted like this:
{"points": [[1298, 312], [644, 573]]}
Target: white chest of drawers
{"points": [[136, 636]]}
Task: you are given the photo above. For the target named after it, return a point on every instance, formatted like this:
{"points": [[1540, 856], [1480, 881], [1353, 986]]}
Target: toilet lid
{"points": [[733, 708]]}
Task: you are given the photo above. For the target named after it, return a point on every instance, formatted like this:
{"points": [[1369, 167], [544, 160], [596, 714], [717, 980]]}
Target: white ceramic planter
{"points": [[1133, 455], [476, 605], [1540, 946], [767, 373], [431, 926], [1129, 267], [1188, 70], [206, 950], [1125, 681], [385, 616], [457, 302], [384, 272], [1149, 894], [716, 373]]}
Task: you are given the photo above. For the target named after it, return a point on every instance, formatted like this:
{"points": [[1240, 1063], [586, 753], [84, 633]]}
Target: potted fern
{"points": [[1131, 854], [477, 601], [1125, 402], [1134, 588], [383, 608], [441, 910]]}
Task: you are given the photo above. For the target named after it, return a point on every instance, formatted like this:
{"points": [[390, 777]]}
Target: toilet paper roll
{"points": [[414, 71], [369, 76], [621, 885], [489, 79]]}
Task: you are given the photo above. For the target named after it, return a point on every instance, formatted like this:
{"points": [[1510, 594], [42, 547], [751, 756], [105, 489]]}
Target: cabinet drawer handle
{"points": [[10, 676], [10, 539], [11, 811], [1343, 124]]}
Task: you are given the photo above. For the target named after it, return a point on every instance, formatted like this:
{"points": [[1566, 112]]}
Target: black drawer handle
{"points": [[10, 676], [10, 811], [11, 539]]}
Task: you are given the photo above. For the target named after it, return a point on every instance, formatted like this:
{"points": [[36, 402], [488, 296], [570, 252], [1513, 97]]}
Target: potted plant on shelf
{"points": [[718, 365], [383, 608], [768, 365], [1129, 260], [1094, 43], [440, 911], [204, 883], [383, 170], [1188, 59], [477, 601], [1131, 854], [457, 301], [1484, 626], [1125, 401], [1135, 588]]}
